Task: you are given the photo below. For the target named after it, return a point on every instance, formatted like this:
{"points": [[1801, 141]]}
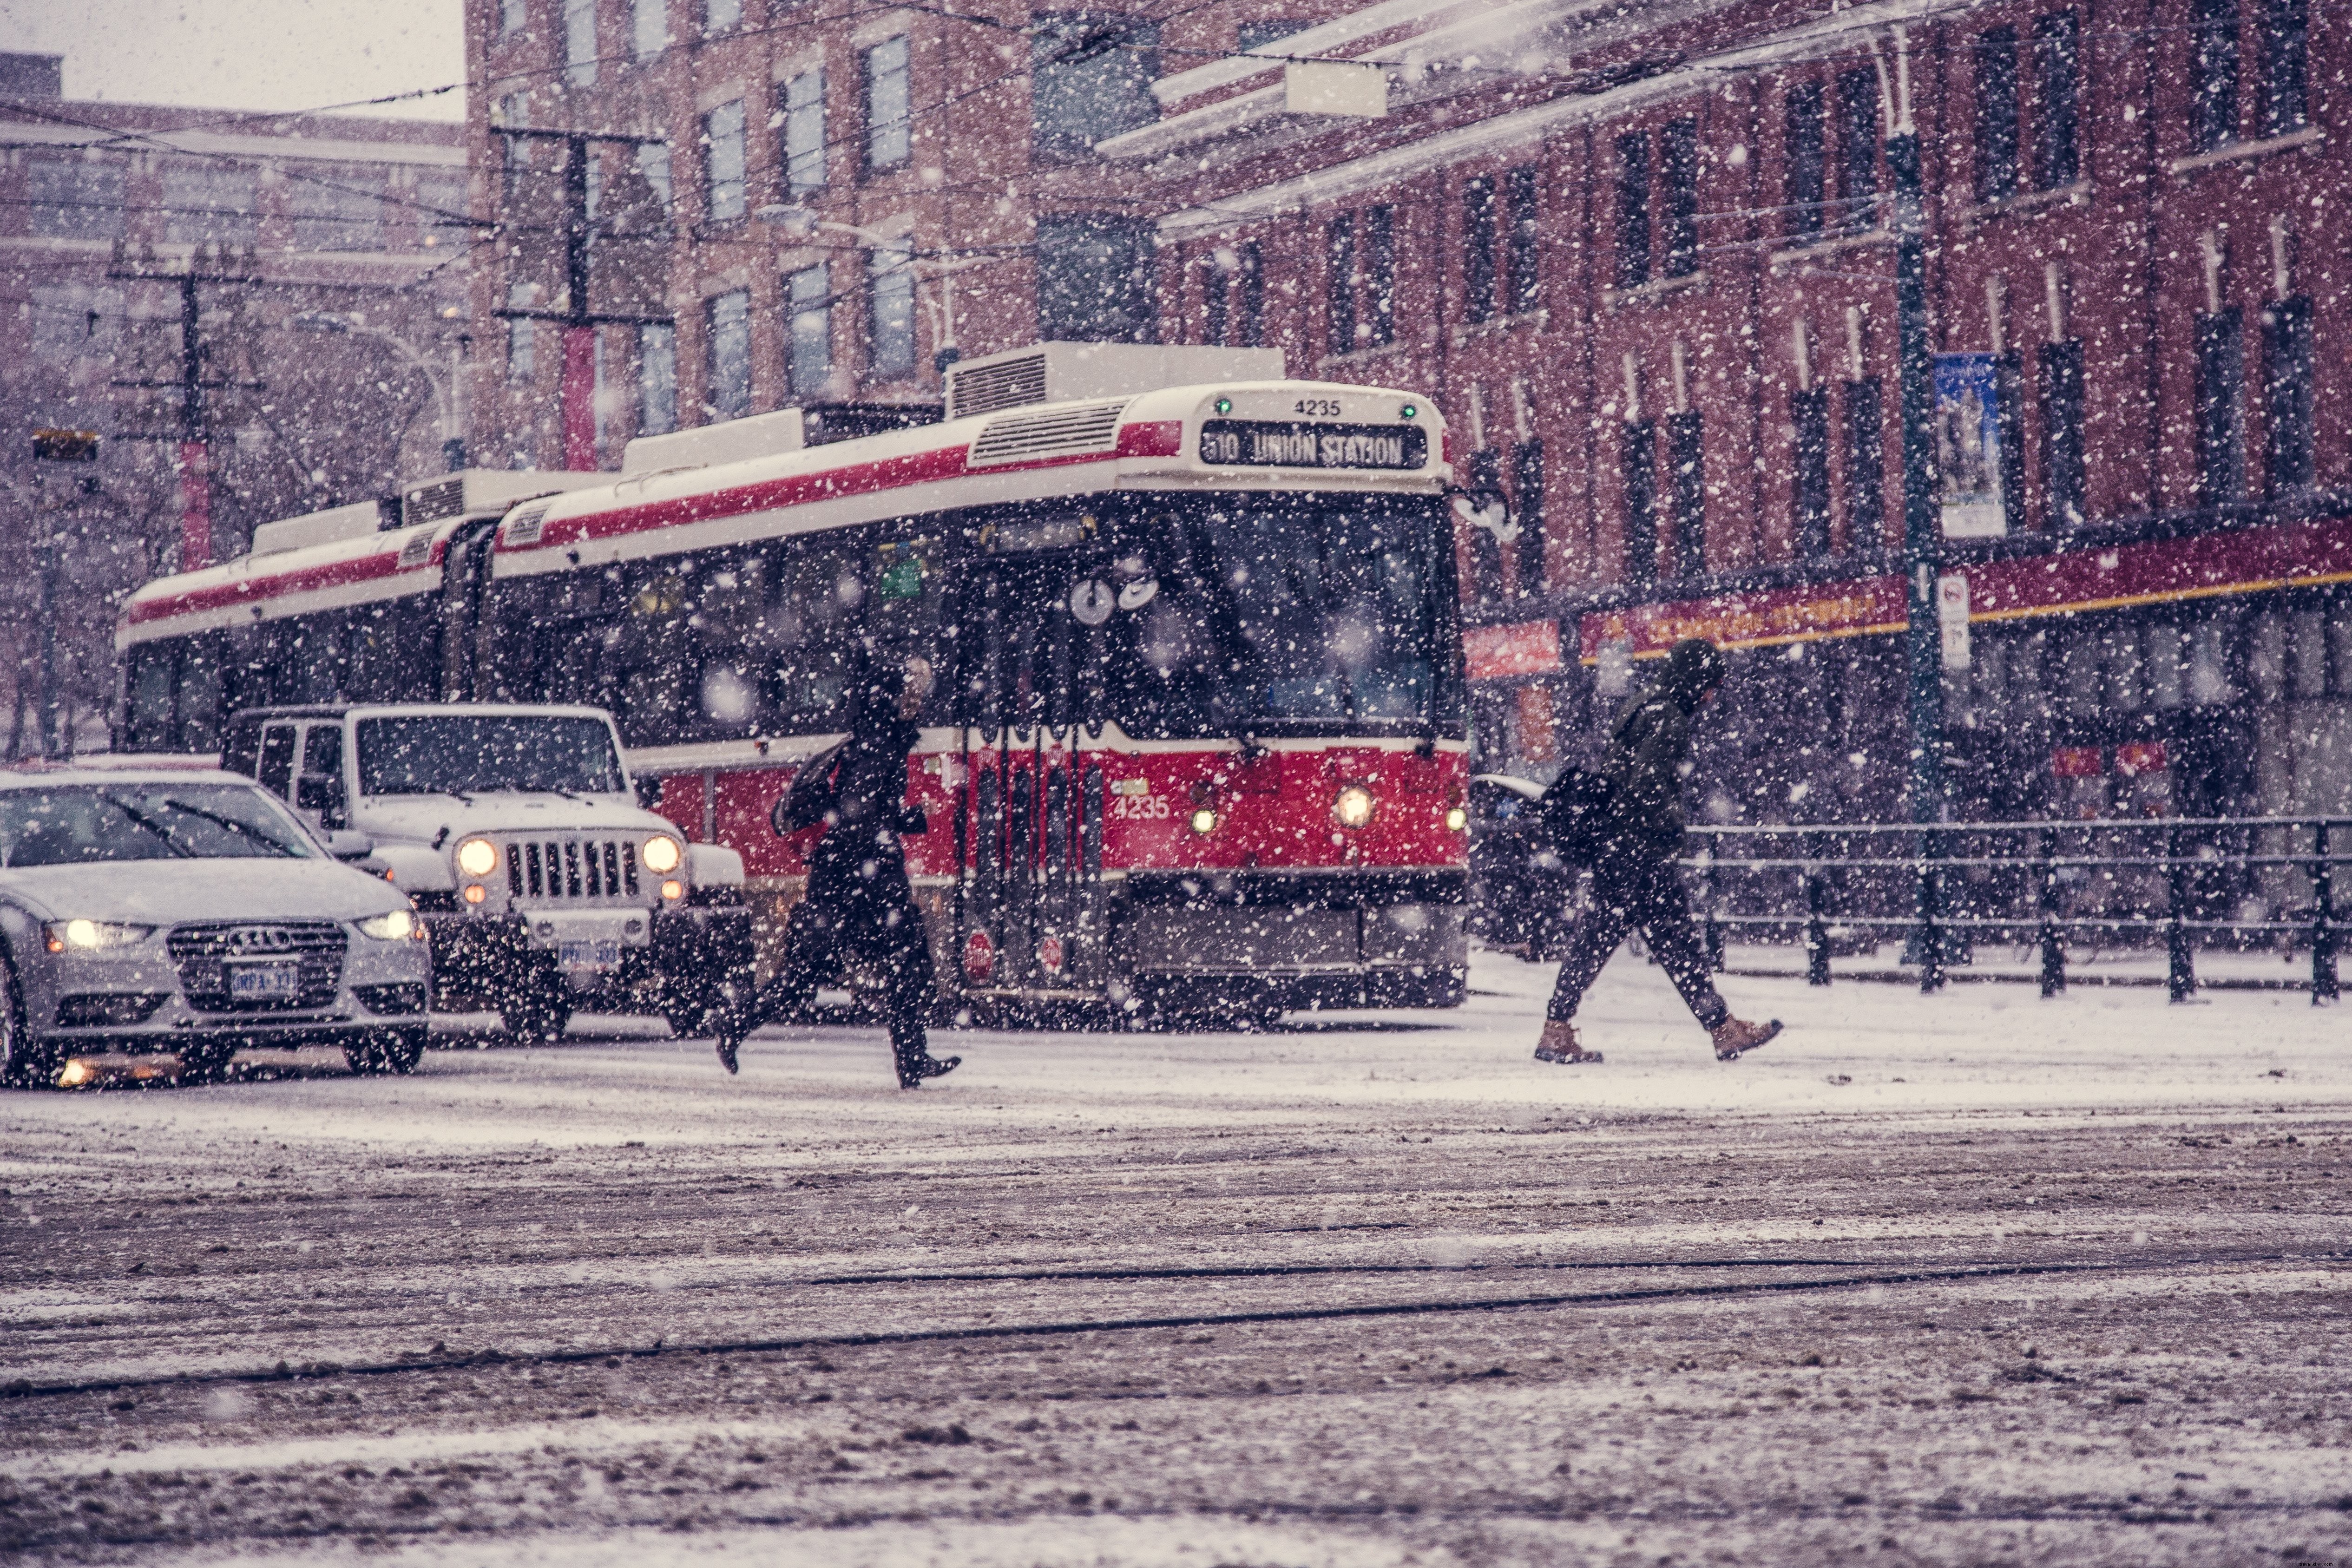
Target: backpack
{"points": [[1573, 812]]}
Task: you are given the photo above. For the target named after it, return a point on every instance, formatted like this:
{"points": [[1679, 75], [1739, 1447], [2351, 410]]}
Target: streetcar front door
{"points": [[1032, 916]]}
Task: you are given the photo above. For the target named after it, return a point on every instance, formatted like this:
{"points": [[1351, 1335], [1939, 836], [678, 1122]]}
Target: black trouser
{"points": [[884, 938], [1635, 890]]}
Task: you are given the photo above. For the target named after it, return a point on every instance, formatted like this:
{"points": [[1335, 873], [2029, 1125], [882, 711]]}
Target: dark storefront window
{"points": [[1638, 462]]}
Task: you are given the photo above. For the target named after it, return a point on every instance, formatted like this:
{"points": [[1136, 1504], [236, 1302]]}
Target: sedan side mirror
{"points": [[347, 845]]}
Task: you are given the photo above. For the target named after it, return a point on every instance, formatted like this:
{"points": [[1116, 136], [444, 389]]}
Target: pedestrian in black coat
{"points": [[1634, 882], [860, 912]]}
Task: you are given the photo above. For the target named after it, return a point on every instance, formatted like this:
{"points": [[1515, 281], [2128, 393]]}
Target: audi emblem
{"points": [[260, 939]]}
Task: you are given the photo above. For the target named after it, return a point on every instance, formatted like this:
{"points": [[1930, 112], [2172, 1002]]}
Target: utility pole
{"points": [[1923, 551], [55, 446], [206, 265], [578, 322]]}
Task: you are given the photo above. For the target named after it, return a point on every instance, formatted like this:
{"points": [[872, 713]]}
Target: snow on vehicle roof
{"points": [[38, 774], [342, 572], [1030, 451]]}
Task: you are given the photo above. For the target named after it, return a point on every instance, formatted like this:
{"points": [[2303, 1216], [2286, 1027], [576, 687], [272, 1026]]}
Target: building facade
{"points": [[307, 273]]}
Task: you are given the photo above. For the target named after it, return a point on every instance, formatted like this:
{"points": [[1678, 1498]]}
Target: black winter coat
{"points": [[1648, 747], [859, 868]]}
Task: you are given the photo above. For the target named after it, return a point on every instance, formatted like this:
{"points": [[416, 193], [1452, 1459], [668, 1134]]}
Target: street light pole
{"points": [[1922, 536], [801, 222]]}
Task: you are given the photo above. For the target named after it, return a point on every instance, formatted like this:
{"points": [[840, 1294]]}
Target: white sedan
{"points": [[171, 910]]}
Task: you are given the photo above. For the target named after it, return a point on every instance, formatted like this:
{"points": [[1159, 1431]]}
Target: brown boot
{"points": [[1735, 1036], [1560, 1045]]}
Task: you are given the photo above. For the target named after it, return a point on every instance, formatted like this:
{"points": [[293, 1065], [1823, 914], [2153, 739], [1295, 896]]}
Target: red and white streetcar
{"points": [[1197, 741]]}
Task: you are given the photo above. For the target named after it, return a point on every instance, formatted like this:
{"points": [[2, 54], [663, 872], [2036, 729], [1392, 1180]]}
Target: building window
{"points": [[1526, 273], [2212, 73], [890, 311], [721, 16], [1809, 418], [648, 28], [1632, 209], [2286, 67], [1091, 78], [727, 334], [656, 379], [1637, 461], [512, 15], [1094, 280], [802, 103], [1687, 483], [523, 333], [1866, 464], [889, 140], [1379, 276], [335, 218], [74, 199], [2220, 407], [1478, 250], [1216, 302], [653, 162], [2063, 473], [2057, 134], [1995, 58], [209, 203], [1807, 171], [1678, 172], [722, 162], [580, 42], [1858, 138], [1249, 287], [1339, 284], [809, 368], [1527, 485], [2287, 385], [1485, 479]]}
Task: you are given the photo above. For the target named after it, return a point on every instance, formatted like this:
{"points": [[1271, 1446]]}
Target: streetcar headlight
{"points": [[663, 853], [478, 857], [1204, 820], [91, 936], [1352, 806], [1456, 818], [392, 926]]}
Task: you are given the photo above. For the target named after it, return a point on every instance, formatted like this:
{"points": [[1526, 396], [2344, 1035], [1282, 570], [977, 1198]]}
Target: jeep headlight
{"points": [[91, 936], [663, 853], [478, 857], [392, 926]]}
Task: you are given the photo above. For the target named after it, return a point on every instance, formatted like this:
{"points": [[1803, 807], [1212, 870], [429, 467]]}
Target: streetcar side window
{"points": [[812, 626], [905, 617], [199, 695], [154, 676]]}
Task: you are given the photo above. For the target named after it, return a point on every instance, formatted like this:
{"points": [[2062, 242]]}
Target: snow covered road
{"points": [[1970, 1279]]}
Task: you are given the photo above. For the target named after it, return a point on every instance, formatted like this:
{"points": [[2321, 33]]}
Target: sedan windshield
{"points": [[86, 824], [467, 754]]}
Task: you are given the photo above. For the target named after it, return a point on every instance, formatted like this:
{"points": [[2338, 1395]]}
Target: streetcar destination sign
{"points": [[1267, 445]]}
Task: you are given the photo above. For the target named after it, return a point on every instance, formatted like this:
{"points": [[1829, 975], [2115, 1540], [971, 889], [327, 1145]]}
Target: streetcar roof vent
{"points": [[355, 521], [523, 527], [1065, 430], [732, 441], [486, 492], [1067, 373]]}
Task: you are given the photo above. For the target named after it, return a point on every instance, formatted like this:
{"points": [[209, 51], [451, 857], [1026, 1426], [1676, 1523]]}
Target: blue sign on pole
{"points": [[1968, 447]]}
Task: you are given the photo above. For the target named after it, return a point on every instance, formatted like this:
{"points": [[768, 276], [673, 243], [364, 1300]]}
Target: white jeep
{"points": [[544, 883]]}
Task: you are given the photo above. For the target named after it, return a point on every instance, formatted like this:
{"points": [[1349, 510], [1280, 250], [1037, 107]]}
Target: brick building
{"points": [[329, 304], [1642, 255]]}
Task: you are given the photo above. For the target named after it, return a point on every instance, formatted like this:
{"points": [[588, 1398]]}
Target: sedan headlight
{"points": [[92, 935], [478, 857], [392, 926], [1352, 806], [663, 854]]}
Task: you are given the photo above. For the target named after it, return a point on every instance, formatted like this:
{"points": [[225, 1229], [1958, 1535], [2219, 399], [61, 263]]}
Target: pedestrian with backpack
{"points": [[1625, 821]]}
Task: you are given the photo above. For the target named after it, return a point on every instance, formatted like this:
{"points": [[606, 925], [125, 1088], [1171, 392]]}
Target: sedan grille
{"points": [[209, 954], [572, 871]]}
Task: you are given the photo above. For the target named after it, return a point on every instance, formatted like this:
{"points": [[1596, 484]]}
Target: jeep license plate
{"points": [[597, 953], [264, 982]]}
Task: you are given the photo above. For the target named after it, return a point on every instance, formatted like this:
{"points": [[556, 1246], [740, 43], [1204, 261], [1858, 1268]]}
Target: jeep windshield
{"points": [[480, 754]]}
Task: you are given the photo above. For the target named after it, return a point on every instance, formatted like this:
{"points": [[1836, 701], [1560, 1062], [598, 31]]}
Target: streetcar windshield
{"points": [[473, 754], [1258, 612]]}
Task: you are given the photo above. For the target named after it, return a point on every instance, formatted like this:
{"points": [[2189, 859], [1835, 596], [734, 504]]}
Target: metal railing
{"points": [[2244, 882]]}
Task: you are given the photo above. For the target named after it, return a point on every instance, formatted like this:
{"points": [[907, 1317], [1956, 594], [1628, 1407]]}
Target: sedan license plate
{"points": [[264, 982], [597, 953]]}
